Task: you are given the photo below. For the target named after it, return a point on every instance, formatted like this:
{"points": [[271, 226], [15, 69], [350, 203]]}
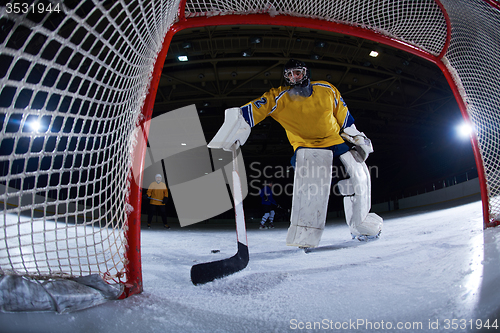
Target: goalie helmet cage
{"points": [[88, 71]]}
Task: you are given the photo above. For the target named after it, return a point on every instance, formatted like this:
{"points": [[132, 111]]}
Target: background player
{"points": [[158, 197], [268, 206]]}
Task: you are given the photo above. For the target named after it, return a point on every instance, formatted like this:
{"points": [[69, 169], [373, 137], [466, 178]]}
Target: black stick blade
{"points": [[209, 271]]}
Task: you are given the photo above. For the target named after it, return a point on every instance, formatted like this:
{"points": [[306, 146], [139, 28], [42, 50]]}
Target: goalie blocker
{"points": [[313, 176]]}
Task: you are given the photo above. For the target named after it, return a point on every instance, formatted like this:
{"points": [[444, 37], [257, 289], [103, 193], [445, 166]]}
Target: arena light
{"points": [[464, 130], [255, 40], [320, 44], [182, 58], [374, 54], [35, 125]]}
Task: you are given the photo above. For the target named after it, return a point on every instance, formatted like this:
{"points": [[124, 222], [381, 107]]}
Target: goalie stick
{"points": [[209, 271]]}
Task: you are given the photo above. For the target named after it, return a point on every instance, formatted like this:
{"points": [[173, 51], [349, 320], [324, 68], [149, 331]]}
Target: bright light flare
{"points": [[35, 125], [464, 130]]}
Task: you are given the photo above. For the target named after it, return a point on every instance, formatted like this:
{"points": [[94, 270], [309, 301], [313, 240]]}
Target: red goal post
{"points": [[90, 74]]}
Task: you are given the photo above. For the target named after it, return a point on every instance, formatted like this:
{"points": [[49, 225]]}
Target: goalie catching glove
{"points": [[362, 144], [235, 129]]}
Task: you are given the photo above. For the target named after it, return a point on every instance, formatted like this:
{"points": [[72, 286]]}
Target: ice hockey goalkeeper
{"points": [[318, 124]]}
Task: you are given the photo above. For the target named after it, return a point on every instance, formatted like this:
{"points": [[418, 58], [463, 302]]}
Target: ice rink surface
{"points": [[434, 269]]}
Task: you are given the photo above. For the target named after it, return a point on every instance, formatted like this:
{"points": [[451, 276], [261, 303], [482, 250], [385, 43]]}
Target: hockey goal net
{"points": [[78, 78]]}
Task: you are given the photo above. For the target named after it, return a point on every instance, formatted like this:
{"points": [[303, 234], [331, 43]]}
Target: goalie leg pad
{"points": [[312, 182], [357, 203]]}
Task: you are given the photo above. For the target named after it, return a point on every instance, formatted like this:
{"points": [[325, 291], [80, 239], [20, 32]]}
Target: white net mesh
{"points": [[417, 22], [73, 79], [83, 74], [474, 56]]}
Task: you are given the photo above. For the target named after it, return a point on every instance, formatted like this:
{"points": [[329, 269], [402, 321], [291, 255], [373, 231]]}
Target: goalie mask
{"points": [[296, 73]]}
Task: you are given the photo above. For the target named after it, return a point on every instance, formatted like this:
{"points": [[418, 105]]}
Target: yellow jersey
{"points": [[157, 192], [314, 121]]}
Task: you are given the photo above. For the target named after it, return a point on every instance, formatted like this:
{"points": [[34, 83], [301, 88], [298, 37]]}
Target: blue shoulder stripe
{"points": [[329, 87], [248, 114], [322, 85], [348, 121], [276, 101]]}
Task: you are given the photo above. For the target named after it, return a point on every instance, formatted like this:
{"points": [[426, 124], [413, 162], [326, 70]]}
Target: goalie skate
{"points": [[366, 238]]}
